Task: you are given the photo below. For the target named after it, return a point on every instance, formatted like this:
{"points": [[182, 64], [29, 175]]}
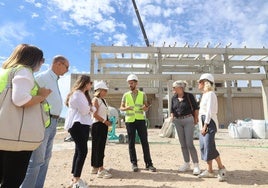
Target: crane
{"points": [[141, 24]]}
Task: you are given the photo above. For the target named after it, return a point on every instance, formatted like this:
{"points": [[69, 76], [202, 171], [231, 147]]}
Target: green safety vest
{"points": [[137, 112], [4, 73]]}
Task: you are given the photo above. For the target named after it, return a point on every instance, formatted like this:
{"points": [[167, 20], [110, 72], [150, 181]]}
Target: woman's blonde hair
{"points": [[26, 55], [208, 86], [97, 93]]}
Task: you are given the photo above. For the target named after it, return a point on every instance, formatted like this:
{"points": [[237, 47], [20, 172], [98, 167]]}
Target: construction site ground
{"points": [[246, 161]]}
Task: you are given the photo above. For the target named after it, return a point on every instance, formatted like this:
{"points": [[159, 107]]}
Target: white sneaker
{"points": [[196, 170], [94, 170], [222, 174], [104, 174], [184, 167], [80, 184], [206, 174]]}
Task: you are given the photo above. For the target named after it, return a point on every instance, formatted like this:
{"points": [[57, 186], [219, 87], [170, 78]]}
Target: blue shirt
{"points": [[49, 80]]}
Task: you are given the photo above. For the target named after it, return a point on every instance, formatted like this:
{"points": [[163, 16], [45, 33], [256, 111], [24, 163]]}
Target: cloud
{"points": [[107, 26], [35, 15], [240, 22], [85, 12], [38, 5], [172, 21], [205, 21], [120, 39], [11, 34]]}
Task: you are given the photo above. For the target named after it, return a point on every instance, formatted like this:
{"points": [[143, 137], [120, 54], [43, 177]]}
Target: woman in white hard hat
{"points": [[208, 123], [184, 112], [99, 130]]}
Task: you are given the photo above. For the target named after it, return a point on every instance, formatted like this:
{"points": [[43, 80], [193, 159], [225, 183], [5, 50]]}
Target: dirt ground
{"points": [[246, 161]]}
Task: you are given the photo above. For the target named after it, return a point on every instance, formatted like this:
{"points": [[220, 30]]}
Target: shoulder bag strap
{"points": [[11, 75], [189, 101]]}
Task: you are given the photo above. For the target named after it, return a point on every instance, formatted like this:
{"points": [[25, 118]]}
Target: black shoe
{"points": [[151, 168], [135, 168]]}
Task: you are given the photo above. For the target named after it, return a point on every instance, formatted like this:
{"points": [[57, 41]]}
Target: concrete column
{"points": [[264, 98], [229, 106], [160, 103], [170, 94]]}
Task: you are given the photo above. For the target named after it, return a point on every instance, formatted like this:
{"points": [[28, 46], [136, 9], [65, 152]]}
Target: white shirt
{"points": [[22, 83], [102, 110], [209, 108], [49, 80], [78, 111]]}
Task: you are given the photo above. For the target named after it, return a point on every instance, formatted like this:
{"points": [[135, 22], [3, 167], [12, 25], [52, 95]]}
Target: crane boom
{"points": [[141, 24]]}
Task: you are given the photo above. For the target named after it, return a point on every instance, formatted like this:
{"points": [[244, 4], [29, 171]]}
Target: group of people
{"points": [[186, 113], [84, 112], [26, 169]]}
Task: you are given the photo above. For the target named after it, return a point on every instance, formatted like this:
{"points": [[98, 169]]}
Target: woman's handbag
{"points": [[21, 128]]}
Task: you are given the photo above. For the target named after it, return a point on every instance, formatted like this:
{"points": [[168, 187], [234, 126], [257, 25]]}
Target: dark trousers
{"points": [[13, 167], [99, 135], [140, 127], [80, 135], [207, 142]]}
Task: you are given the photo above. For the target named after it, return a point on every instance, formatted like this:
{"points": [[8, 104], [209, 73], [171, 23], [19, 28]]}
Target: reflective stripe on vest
{"points": [[137, 112], [3, 82]]}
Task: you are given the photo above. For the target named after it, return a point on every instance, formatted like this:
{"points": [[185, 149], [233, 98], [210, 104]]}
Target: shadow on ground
{"points": [[241, 177]]}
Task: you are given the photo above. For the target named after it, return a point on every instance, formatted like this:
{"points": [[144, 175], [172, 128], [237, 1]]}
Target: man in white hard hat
{"points": [[134, 102]]}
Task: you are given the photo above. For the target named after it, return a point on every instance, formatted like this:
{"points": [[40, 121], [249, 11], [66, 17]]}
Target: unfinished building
{"points": [[240, 76]]}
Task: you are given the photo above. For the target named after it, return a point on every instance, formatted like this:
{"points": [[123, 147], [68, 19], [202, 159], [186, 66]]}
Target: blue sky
{"points": [[69, 27]]}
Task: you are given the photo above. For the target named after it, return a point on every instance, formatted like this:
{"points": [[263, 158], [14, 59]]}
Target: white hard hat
{"points": [[207, 76], [100, 85], [132, 77]]}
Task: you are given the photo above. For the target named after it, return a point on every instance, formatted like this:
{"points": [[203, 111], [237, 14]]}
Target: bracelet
{"points": [[104, 121]]}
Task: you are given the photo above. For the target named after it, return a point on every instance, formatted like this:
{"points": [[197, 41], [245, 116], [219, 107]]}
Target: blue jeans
{"points": [[207, 142], [38, 164]]}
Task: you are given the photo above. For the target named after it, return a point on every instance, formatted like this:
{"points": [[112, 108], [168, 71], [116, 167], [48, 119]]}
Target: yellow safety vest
{"points": [[4, 73], [137, 112]]}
